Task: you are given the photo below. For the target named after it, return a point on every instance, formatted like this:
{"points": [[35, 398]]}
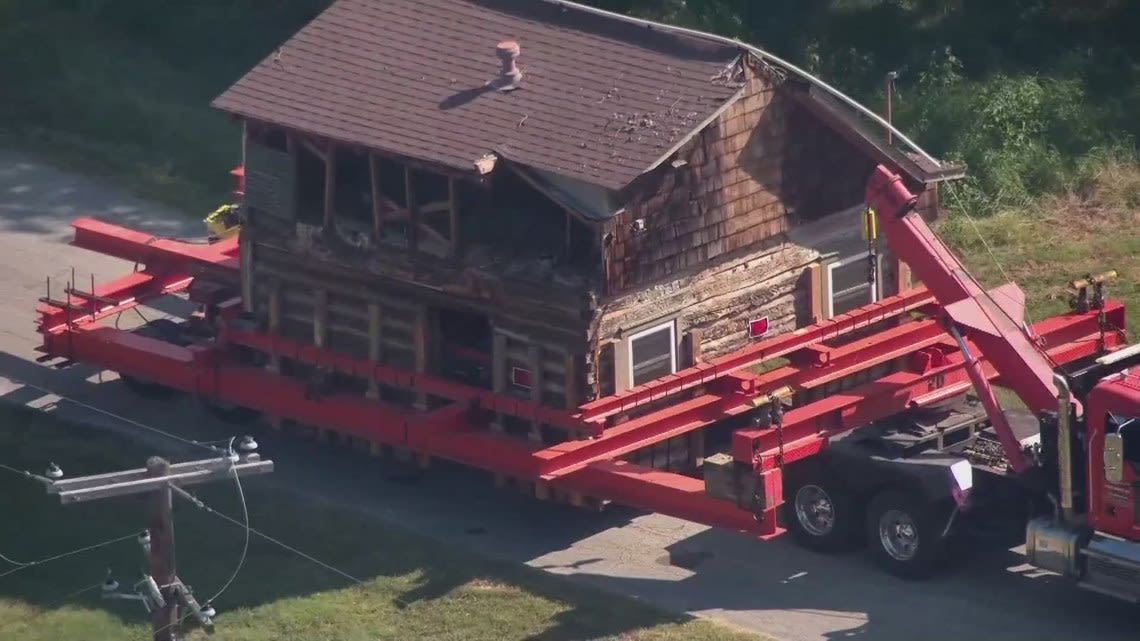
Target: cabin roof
{"points": [[601, 100]]}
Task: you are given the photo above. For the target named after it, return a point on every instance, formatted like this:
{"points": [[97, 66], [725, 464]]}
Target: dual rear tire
{"points": [[904, 533]]}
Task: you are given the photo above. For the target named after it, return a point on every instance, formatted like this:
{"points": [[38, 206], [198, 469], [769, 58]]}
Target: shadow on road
{"points": [[38, 200]]}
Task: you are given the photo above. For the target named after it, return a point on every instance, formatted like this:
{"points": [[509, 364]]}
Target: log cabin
{"points": [[530, 197]]}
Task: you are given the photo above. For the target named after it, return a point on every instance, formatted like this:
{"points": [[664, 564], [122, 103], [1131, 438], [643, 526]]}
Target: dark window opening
{"points": [[465, 346], [652, 354], [584, 245], [513, 217], [353, 187], [310, 187], [1129, 430], [432, 196], [390, 177]]}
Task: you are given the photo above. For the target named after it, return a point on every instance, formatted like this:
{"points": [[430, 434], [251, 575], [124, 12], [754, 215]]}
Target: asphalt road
{"points": [[770, 587]]}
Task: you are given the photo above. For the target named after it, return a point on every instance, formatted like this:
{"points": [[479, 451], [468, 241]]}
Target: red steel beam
{"points": [[428, 384], [108, 298], [755, 354], [1070, 337], [148, 249], [665, 493], [724, 400]]}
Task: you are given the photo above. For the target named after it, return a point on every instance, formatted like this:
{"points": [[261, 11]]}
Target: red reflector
{"points": [[758, 327], [520, 377]]}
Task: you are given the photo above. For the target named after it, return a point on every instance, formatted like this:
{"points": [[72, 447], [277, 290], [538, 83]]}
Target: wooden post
{"points": [[815, 280], [413, 210], [245, 259], [330, 186], [498, 372], [321, 318], [453, 219], [569, 230], [534, 362], [160, 525], [421, 344], [375, 345], [377, 197], [695, 354], [275, 323], [573, 387]]}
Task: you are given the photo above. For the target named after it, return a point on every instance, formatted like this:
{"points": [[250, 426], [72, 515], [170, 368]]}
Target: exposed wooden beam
{"points": [[420, 340], [413, 213], [321, 318], [572, 387], [378, 199], [428, 230], [375, 344], [498, 372], [534, 363], [313, 147], [330, 188], [453, 218]]}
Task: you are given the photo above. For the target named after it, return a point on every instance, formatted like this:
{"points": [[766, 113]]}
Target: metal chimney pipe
{"points": [[509, 76]]}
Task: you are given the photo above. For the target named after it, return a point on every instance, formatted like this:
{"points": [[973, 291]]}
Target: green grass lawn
{"points": [[413, 589]]}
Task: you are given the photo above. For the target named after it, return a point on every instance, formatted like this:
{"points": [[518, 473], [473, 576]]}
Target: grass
{"points": [[1041, 246], [413, 588]]}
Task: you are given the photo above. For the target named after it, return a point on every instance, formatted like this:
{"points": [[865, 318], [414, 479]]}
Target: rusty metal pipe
{"points": [[1064, 446]]}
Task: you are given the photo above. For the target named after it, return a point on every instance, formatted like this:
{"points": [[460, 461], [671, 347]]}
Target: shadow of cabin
{"points": [[643, 202]]}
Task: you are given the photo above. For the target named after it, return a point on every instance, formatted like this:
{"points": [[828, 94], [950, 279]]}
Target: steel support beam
{"points": [[757, 353]]}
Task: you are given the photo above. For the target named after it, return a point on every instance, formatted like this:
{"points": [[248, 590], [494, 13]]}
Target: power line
{"points": [[245, 545], [198, 502], [67, 554], [118, 417]]}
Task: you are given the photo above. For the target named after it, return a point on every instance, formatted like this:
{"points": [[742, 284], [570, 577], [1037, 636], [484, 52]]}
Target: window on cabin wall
{"points": [[652, 353], [848, 286]]}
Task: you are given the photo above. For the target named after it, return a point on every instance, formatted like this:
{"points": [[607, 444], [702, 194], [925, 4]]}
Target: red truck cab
{"points": [[1112, 422]]}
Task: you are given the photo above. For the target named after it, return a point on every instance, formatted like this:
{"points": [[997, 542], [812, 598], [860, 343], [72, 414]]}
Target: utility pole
{"points": [[162, 592]]}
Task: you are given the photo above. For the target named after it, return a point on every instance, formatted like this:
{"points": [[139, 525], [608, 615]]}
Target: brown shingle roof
{"points": [[600, 100]]}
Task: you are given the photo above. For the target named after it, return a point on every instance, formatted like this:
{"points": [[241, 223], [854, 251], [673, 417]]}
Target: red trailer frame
{"points": [[900, 333]]}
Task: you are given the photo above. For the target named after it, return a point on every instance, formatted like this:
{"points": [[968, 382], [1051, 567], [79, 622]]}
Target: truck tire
{"points": [[905, 534], [820, 513], [165, 330]]}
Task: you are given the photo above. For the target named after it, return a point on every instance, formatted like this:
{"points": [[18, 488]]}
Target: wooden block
{"points": [[542, 491]]}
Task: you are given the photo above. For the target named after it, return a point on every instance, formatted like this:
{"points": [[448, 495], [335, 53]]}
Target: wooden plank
{"points": [[378, 200], [534, 362], [321, 318], [815, 276], [330, 187], [420, 340], [498, 371], [413, 213], [453, 218], [375, 344], [572, 387]]}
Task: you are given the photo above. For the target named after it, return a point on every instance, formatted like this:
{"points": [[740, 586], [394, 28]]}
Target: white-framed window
{"points": [[847, 284], [652, 353]]}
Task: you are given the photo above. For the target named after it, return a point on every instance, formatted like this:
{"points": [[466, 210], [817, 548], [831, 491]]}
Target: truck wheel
{"points": [[822, 515], [905, 534]]}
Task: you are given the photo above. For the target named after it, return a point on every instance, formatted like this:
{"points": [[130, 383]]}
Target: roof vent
{"points": [[509, 76]]}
